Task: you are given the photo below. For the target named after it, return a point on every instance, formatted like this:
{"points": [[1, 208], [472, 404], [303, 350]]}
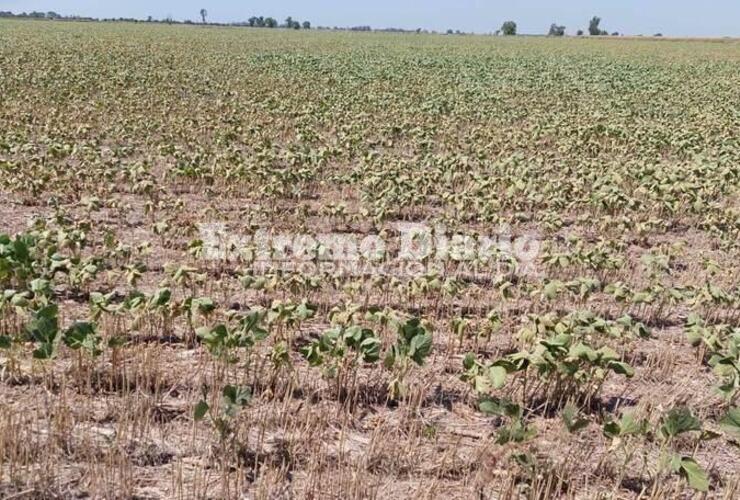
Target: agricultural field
{"points": [[243, 263]]}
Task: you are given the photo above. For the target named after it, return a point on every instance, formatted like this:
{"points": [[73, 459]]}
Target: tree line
{"points": [[254, 21], [508, 28], [594, 29]]}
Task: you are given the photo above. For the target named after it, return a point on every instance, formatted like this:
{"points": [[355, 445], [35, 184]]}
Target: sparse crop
{"points": [[581, 204]]}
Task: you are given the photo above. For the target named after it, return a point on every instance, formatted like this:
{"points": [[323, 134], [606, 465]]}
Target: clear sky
{"points": [[670, 17]]}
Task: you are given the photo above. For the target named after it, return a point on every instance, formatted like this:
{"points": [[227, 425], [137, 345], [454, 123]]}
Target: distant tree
{"points": [[579, 33], [203, 14], [149, 19], [593, 27], [450, 32], [306, 25], [616, 33], [658, 35], [556, 30], [270, 22], [52, 15], [508, 28]]}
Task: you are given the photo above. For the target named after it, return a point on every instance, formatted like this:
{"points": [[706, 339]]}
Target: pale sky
{"points": [[670, 17]]}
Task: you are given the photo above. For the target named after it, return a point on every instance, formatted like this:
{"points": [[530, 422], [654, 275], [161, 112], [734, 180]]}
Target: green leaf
{"points": [[573, 421], [500, 407], [482, 384], [200, 410], [730, 423], [40, 286], [312, 354], [489, 407], [214, 337], [203, 305], [694, 336], [606, 354], [469, 361], [420, 347], [678, 421], [45, 324], [694, 474], [370, 349], [46, 350], [411, 329], [560, 341], [304, 311], [161, 297], [251, 324], [582, 351], [5, 342], [497, 375], [611, 429], [21, 249], [516, 432], [622, 368], [551, 289], [514, 362], [234, 398], [82, 336], [626, 426]]}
